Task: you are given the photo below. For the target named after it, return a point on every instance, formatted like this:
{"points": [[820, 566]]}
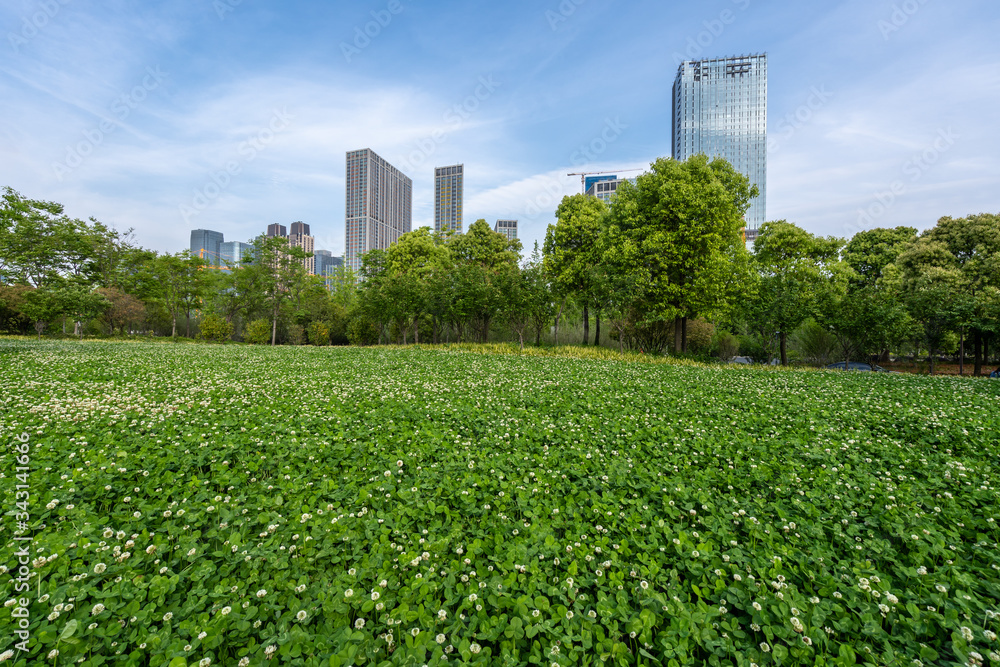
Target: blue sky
{"points": [[233, 114]]}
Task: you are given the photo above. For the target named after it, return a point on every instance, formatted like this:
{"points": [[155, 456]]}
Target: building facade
{"points": [[327, 265], [379, 205], [276, 230], [506, 227], [300, 238], [234, 252], [449, 185], [720, 109], [208, 245], [606, 188]]}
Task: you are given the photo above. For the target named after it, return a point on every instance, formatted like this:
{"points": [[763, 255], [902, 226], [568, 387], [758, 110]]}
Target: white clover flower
{"points": [[6, 655], [244, 662], [169, 615], [53, 616], [100, 568], [360, 623], [97, 609], [349, 593], [52, 654], [475, 648], [473, 597], [966, 633], [226, 610], [269, 651], [756, 605], [765, 647], [440, 639], [301, 616], [204, 662], [261, 593]]}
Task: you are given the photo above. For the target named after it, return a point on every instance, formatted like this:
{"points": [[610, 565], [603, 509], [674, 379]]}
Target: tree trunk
{"points": [[586, 323], [931, 355], [416, 331], [684, 334], [783, 338], [961, 351], [597, 332], [173, 333], [986, 349], [977, 343], [486, 330], [520, 336], [189, 323], [678, 342], [558, 316], [274, 327]]}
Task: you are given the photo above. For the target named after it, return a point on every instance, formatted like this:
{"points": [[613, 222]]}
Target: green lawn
{"points": [[327, 506]]}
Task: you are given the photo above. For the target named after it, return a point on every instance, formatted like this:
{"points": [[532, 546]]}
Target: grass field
{"points": [[318, 506]]}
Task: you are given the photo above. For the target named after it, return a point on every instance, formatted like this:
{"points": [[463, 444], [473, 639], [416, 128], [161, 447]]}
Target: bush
{"points": [[815, 344], [258, 332], [215, 328], [295, 334], [362, 331], [699, 336], [319, 333], [725, 344]]}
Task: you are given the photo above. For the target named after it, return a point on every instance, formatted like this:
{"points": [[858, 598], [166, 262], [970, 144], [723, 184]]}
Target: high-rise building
{"points": [[588, 182], [506, 227], [208, 245], [327, 265], [276, 230], [233, 252], [300, 238], [379, 205], [449, 184], [720, 109], [605, 188]]}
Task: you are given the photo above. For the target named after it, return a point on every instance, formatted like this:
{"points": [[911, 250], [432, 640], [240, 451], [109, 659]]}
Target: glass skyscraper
{"points": [[448, 194], [379, 205], [720, 109], [208, 245]]}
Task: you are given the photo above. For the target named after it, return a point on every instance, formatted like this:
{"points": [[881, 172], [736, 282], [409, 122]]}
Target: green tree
{"points": [[571, 252], [870, 251], [181, 286], [794, 269], [485, 259], [677, 237]]}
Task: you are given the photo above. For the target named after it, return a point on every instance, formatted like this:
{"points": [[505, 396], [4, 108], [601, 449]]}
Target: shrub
{"points": [[215, 328], [699, 336], [295, 334], [319, 333], [725, 344], [362, 331], [815, 344], [258, 332]]}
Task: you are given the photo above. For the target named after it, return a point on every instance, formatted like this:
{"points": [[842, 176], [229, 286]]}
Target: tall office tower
{"points": [[276, 230], [720, 109], [449, 183], [506, 227], [208, 245], [379, 205], [300, 238], [327, 265], [234, 252]]}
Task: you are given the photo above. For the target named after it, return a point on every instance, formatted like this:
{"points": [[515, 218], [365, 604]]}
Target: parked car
{"points": [[856, 366], [995, 374]]}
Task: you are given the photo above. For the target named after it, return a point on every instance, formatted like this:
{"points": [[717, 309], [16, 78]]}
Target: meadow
{"points": [[236, 505]]}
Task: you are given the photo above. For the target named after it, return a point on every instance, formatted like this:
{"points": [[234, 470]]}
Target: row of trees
{"points": [[663, 258]]}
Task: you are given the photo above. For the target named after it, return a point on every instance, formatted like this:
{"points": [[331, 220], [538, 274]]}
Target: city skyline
{"points": [[230, 115]]}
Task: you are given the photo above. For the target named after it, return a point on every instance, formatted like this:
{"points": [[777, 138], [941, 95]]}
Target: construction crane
{"points": [[223, 265], [584, 174]]}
